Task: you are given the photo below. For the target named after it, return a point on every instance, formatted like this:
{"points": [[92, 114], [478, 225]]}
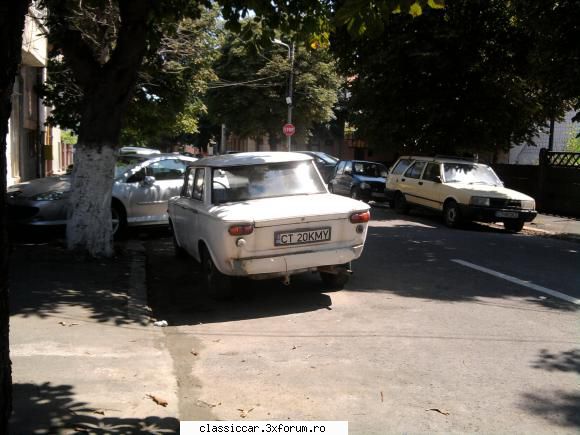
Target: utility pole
{"points": [[289, 101]]}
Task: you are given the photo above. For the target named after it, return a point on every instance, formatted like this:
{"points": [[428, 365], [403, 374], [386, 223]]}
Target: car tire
{"points": [[217, 284], [400, 203], [119, 220], [514, 225], [334, 281], [178, 250], [355, 193], [451, 214]]}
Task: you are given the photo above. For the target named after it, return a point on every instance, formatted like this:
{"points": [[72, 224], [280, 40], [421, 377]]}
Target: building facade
{"points": [[33, 149]]}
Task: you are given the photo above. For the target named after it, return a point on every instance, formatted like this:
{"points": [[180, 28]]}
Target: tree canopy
{"points": [[250, 96], [453, 79]]}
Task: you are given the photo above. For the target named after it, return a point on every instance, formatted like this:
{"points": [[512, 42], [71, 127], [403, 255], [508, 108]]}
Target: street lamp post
{"points": [[290, 86]]}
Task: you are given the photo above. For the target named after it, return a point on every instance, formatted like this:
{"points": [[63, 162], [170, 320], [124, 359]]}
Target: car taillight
{"points": [[240, 230], [360, 217]]}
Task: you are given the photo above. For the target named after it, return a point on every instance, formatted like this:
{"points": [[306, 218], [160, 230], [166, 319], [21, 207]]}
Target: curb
{"points": [[137, 308]]}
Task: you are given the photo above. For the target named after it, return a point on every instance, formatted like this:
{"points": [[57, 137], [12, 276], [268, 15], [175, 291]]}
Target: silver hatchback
{"points": [[143, 184]]}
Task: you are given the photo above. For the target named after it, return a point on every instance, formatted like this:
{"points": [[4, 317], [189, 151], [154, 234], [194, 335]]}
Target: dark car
{"points": [[359, 179], [324, 162]]}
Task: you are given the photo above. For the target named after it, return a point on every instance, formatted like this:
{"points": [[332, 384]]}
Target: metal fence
{"points": [[554, 183]]}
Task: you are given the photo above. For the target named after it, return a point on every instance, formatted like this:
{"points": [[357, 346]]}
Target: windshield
{"points": [[127, 162], [369, 169], [243, 183], [470, 173]]}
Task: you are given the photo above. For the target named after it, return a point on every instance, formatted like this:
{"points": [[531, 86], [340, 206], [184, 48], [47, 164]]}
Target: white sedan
{"points": [[265, 215]]}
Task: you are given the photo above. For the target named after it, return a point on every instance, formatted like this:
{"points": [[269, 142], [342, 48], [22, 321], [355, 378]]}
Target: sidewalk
{"points": [[85, 355], [557, 226]]}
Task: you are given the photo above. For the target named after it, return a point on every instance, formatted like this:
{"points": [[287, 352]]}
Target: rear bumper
{"points": [[490, 214], [292, 263]]}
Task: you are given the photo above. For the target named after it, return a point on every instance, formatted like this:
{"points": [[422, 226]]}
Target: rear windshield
{"points": [[242, 183]]}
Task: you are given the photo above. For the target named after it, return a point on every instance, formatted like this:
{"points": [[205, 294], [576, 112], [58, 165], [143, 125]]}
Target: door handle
{"points": [[420, 183], [402, 179]]}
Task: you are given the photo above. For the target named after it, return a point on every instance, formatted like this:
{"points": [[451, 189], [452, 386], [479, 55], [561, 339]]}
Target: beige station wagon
{"points": [[461, 189]]}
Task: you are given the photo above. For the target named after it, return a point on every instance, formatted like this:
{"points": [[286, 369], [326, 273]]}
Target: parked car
{"points": [[460, 189], [265, 215], [142, 186], [324, 162], [359, 179], [138, 150]]}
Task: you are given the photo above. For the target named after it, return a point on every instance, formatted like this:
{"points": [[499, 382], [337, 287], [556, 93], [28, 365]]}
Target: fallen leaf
{"points": [[158, 400], [194, 353], [382, 397], [440, 411]]}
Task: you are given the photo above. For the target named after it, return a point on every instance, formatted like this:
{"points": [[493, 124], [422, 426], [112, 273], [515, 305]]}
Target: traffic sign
{"points": [[288, 129]]}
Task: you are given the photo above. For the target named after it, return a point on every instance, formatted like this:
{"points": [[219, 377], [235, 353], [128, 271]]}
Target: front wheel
{"points": [[451, 214], [400, 204], [217, 284], [118, 220], [514, 226], [178, 250]]}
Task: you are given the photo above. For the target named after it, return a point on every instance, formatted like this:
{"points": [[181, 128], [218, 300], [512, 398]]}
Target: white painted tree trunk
{"points": [[89, 226]]}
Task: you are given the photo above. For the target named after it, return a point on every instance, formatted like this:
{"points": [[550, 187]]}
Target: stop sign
{"points": [[288, 129]]}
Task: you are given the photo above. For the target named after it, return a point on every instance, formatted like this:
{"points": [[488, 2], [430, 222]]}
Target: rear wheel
{"points": [[451, 214], [217, 284], [335, 281], [514, 225], [400, 204]]}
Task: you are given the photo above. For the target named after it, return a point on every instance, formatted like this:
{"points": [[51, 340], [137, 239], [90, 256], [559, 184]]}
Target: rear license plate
{"points": [[301, 237], [507, 214]]}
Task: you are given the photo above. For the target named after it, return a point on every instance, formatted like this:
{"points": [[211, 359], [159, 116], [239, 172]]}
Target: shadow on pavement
{"points": [[47, 280], [568, 361], [52, 409], [421, 251], [176, 292], [559, 408]]}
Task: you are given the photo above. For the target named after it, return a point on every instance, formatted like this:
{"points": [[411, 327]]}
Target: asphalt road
{"points": [[438, 330]]}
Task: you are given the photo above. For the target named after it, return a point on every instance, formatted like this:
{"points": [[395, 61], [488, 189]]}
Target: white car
{"points": [[461, 189], [265, 215]]}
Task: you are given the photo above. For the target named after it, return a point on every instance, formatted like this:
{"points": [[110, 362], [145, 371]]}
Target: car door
{"points": [[345, 180], [409, 183], [334, 182], [187, 210], [162, 180], [430, 190]]}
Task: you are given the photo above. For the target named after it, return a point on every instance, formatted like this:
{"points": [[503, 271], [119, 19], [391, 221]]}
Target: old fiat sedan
{"points": [[265, 215]]}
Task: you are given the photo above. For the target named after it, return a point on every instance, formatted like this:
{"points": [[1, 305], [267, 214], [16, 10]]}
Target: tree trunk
{"points": [[11, 26], [107, 89], [89, 223]]}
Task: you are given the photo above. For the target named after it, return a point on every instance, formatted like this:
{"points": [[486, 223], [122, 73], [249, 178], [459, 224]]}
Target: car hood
{"points": [[289, 209], [41, 185], [365, 179], [490, 191]]}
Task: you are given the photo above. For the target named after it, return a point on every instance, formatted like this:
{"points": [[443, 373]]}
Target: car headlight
{"points": [[54, 195], [480, 201], [529, 204], [365, 186]]}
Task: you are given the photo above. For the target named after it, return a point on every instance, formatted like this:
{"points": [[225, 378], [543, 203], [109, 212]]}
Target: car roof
{"points": [[441, 159], [252, 158]]}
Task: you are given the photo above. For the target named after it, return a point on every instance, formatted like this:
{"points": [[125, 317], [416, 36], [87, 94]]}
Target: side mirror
{"points": [[348, 171], [438, 179], [148, 181]]}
